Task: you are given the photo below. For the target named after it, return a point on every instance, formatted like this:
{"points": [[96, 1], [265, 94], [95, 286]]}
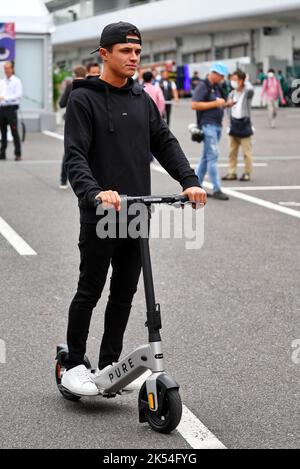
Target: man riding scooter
{"points": [[112, 126]]}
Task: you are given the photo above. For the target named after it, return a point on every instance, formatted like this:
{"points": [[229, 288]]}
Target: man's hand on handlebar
{"points": [[196, 195], [110, 199]]}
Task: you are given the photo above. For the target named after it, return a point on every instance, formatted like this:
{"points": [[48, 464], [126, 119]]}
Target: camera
{"points": [[197, 135]]}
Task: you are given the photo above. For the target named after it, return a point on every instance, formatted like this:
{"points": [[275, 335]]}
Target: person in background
{"points": [[195, 80], [138, 76], [261, 76], [273, 92], [226, 86], [154, 91], [209, 101], [283, 83], [93, 69], [79, 74], [240, 130], [156, 76], [11, 91], [170, 92]]}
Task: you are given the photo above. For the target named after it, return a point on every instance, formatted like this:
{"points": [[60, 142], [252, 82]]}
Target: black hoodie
{"points": [[110, 133]]}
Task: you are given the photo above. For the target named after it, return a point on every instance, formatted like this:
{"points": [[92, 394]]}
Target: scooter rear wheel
{"points": [[59, 370], [167, 418], [66, 394]]}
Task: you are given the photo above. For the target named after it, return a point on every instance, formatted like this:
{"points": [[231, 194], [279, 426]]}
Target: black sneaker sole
{"points": [[222, 197], [224, 178]]}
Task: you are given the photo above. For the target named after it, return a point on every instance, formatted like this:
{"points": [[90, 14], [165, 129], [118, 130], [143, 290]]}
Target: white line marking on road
{"points": [[279, 157], [195, 433], [260, 158], [245, 197], [15, 240], [239, 165], [21, 163], [257, 201], [264, 188], [53, 134]]}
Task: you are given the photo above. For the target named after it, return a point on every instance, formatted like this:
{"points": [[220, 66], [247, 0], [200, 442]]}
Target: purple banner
{"points": [[7, 41]]}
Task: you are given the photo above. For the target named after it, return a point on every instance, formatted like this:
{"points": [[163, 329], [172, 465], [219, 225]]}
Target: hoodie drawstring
{"points": [[109, 110]]}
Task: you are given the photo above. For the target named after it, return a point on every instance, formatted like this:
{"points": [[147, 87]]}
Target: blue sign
{"points": [[7, 41]]}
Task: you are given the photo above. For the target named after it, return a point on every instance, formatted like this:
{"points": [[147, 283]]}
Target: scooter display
{"points": [[159, 401]]}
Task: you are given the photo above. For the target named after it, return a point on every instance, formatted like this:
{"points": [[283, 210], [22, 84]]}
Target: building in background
{"points": [[257, 34], [33, 60]]}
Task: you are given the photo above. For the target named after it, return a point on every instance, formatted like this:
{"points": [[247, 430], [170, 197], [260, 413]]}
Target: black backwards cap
{"points": [[116, 33]]}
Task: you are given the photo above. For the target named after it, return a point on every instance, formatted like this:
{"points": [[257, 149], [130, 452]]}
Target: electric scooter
{"points": [[159, 401]]}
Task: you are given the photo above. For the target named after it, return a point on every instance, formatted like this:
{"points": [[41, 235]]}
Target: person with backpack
{"points": [[240, 129], [209, 102], [170, 92], [273, 92], [194, 81]]}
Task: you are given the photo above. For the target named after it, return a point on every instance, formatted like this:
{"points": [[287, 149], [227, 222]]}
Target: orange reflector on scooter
{"points": [[151, 401]]}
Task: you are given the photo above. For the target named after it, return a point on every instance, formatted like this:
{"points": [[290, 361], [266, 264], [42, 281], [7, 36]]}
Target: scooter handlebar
{"points": [[150, 199]]}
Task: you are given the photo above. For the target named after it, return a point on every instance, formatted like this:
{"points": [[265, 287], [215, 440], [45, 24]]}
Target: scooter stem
{"points": [[153, 309]]}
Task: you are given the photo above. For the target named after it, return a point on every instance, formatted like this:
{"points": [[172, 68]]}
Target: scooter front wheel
{"points": [[169, 412]]}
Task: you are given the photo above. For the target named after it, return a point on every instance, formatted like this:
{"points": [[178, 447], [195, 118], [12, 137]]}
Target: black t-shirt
{"points": [[207, 92]]}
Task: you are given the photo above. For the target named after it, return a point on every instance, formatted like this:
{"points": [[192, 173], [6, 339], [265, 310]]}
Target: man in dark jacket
{"points": [[170, 92], [112, 126]]}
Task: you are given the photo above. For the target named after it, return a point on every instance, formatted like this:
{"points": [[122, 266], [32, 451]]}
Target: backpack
{"points": [[168, 94]]}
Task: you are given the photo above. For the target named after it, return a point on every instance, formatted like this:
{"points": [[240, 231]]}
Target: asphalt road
{"points": [[230, 310]]}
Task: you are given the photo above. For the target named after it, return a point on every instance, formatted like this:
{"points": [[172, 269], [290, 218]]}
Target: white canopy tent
{"points": [[23, 8]]}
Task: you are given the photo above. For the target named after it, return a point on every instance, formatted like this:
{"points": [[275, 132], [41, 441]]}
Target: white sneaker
{"points": [[78, 381]]}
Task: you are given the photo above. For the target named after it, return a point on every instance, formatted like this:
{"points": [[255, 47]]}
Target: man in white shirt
{"points": [[10, 96]]}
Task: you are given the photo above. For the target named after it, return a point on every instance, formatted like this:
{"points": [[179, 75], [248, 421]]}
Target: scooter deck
{"points": [[100, 394]]}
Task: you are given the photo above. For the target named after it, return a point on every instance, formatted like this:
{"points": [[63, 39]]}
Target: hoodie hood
{"points": [[98, 85], [95, 83]]}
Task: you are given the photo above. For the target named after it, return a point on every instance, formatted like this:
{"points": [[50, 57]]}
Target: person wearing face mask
{"points": [[240, 130], [273, 92]]}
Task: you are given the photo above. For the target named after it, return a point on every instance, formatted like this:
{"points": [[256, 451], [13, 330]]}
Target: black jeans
{"points": [[9, 116], [63, 172], [96, 256], [168, 113]]}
